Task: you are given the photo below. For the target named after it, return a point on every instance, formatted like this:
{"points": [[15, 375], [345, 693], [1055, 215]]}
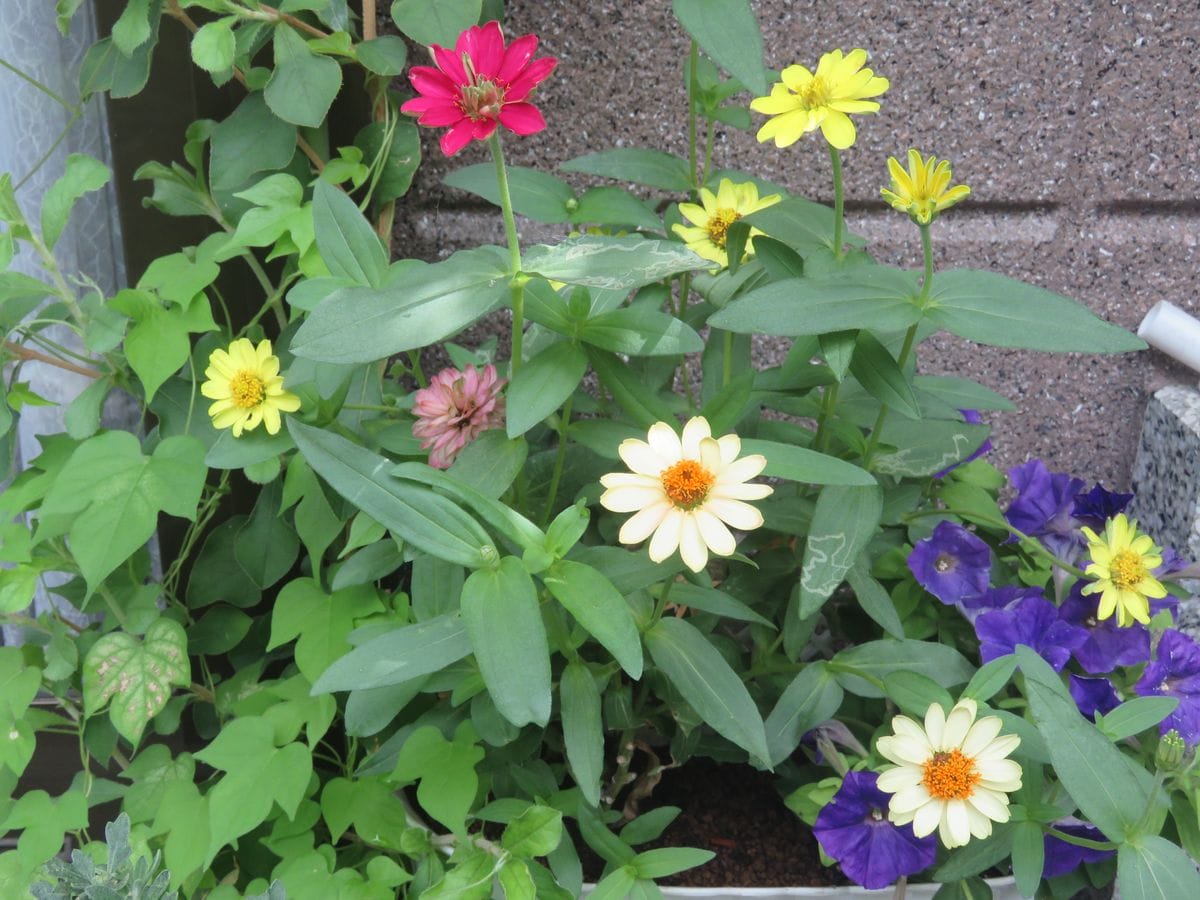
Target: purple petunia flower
{"points": [[1107, 645], [1097, 506], [952, 564], [1175, 672], [995, 598], [1044, 504], [853, 828], [1062, 857], [1093, 695], [971, 417], [1033, 622]]}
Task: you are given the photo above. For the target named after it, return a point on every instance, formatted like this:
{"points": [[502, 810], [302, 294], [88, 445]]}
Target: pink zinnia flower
{"points": [[479, 83], [455, 409]]}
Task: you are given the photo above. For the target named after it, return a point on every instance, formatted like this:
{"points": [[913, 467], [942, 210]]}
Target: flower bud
{"points": [[1173, 755]]}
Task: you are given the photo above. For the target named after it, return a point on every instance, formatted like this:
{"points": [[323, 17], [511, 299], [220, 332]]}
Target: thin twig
{"points": [[25, 353], [295, 22]]}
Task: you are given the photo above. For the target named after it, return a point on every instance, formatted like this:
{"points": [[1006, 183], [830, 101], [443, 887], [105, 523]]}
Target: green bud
{"points": [[1173, 755]]}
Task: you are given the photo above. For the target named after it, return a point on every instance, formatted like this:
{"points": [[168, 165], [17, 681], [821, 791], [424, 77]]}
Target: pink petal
{"points": [[457, 137], [483, 129], [450, 63], [485, 46], [433, 83], [522, 118], [517, 55], [442, 114], [533, 75]]}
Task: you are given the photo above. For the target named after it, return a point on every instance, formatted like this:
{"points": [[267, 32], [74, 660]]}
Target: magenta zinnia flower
{"points": [[455, 409], [477, 84]]}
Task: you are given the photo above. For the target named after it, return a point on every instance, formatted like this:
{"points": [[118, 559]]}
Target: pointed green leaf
{"points": [[304, 84], [812, 697], [435, 23], [347, 242], [844, 520], [583, 730], [398, 656], [599, 608], [82, 175], [727, 31], [652, 168], [535, 194], [542, 384]]}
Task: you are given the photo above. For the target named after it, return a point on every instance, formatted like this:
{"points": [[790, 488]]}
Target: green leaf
{"points": [[881, 376], [501, 615], [401, 156], [700, 673], [1107, 786], [726, 31], [1028, 856], [321, 621], [218, 631], [649, 167], [398, 656], [542, 385], [583, 730], [961, 393], [535, 832], [874, 297], [446, 770], [347, 242], [1135, 716], [806, 466], [214, 46], [435, 23], [668, 860], [800, 224], [384, 55], [106, 68], [117, 494], [82, 418], [614, 206], [1153, 869], [412, 512], [516, 881], [249, 141], [639, 331], [137, 676], [258, 775], [843, 522], [615, 885], [926, 446], [812, 697], [610, 263], [711, 600], [940, 663], [914, 693], [266, 547], [991, 309], [216, 575], [354, 325], [875, 601], [599, 608], [304, 84], [639, 404], [82, 175], [132, 29], [535, 194], [182, 815], [990, 678]]}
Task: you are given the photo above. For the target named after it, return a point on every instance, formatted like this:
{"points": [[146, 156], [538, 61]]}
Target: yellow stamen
{"points": [[816, 93], [950, 776], [718, 224], [686, 483], [1127, 570], [246, 389]]}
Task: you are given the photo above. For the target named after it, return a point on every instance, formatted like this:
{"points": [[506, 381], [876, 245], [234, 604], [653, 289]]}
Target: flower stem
{"points": [[927, 255], [517, 285], [1068, 838], [828, 403], [873, 440], [564, 422], [693, 60], [835, 160]]}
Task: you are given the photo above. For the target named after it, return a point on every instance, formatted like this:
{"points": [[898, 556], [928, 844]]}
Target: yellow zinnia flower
{"points": [[685, 492], [1122, 563], [714, 214], [804, 100], [244, 381], [924, 190], [951, 775]]}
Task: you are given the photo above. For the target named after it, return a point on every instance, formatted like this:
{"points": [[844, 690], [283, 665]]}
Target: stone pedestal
{"points": [[1166, 474]]}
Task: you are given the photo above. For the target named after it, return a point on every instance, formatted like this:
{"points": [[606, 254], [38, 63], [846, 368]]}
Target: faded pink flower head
{"points": [[477, 84], [455, 409]]}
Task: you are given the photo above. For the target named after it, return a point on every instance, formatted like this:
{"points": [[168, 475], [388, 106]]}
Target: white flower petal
{"points": [[742, 469], [1000, 747], [991, 804], [714, 533], [981, 734], [909, 799], [731, 446], [642, 458], [925, 820], [694, 432], [958, 723], [691, 544], [642, 525], [665, 442], [740, 491], [666, 539], [935, 724], [907, 750], [630, 479], [631, 497], [710, 455], [895, 780], [734, 512]]}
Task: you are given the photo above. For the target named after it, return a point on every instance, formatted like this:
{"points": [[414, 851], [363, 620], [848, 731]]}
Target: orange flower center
{"points": [[815, 93], [246, 389], [719, 223], [687, 483], [1127, 570], [950, 776]]}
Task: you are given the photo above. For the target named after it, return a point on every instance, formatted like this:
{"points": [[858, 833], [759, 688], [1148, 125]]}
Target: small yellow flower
{"points": [[924, 190], [244, 381], [1122, 564], [714, 214], [685, 492], [804, 101], [951, 775]]}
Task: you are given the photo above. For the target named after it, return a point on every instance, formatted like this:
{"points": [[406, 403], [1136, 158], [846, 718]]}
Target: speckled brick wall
{"points": [[1076, 125]]}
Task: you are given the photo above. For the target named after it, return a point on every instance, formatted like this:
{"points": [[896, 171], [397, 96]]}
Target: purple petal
{"points": [[952, 564]]}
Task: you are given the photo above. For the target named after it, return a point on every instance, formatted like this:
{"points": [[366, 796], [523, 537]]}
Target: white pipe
{"points": [[1169, 329]]}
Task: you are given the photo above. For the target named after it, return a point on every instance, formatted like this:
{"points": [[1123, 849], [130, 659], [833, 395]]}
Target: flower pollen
{"points": [[246, 389], [686, 483], [950, 776], [817, 92], [1127, 569], [719, 224]]}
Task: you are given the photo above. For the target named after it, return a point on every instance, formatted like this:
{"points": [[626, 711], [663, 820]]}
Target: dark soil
{"points": [[735, 812]]}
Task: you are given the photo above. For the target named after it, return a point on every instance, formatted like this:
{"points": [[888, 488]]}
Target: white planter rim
{"points": [[1002, 889]]}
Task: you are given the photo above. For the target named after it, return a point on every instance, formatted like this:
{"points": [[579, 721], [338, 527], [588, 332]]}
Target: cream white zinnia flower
{"points": [[951, 775], [685, 492]]}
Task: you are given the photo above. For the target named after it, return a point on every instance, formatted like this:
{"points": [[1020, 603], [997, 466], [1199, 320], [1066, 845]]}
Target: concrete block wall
{"points": [[1076, 124]]}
